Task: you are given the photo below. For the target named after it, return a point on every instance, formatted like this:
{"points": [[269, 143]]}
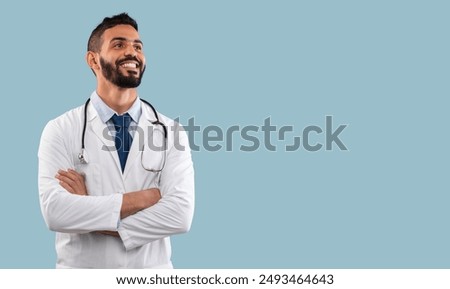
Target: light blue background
{"points": [[382, 67]]}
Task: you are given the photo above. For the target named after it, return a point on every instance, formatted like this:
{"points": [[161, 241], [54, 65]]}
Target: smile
{"points": [[129, 64]]}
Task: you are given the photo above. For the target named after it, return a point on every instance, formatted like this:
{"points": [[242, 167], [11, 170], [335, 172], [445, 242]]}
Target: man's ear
{"points": [[91, 59]]}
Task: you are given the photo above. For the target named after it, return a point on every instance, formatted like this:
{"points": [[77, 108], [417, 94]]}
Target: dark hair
{"points": [[95, 42]]}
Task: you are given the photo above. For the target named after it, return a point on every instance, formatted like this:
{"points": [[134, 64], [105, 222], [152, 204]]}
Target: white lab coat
{"points": [[144, 237]]}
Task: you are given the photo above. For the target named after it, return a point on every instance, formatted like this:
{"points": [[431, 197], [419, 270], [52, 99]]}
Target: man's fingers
{"points": [[79, 177], [67, 187], [72, 175], [68, 174], [65, 179], [75, 173], [74, 182]]}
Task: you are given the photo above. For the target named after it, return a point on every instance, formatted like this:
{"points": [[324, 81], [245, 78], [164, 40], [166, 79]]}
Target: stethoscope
{"points": [[81, 155]]}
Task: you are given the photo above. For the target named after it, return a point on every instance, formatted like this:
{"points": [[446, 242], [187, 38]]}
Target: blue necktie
{"points": [[123, 138]]}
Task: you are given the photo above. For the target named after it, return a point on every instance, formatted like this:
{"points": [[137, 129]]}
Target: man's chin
{"points": [[128, 83], [129, 79]]}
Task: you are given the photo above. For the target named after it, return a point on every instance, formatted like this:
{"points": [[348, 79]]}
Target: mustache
{"points": [[129, 58]]}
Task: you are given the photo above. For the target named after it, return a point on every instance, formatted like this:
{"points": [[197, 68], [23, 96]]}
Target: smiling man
{"points": [[112, 198]]}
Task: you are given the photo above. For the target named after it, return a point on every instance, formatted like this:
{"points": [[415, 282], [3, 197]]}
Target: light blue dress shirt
{"points": [[105, 113]]}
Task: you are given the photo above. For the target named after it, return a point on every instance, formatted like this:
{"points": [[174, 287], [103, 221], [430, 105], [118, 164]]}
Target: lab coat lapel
{"points": [[99, 129], [139, 139]]}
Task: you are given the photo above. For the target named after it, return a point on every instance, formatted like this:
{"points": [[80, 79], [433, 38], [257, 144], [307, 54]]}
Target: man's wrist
{"points": [[150, 197]]}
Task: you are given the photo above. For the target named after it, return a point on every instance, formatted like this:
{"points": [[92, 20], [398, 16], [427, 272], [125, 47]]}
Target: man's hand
{"points": [[72, 181]]}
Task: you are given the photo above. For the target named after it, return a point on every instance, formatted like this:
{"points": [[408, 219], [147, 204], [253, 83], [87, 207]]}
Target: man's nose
{"points": [[130, 51]]}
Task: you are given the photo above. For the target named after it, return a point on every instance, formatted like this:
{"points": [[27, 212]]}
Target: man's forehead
{"points": [[121, 31]]}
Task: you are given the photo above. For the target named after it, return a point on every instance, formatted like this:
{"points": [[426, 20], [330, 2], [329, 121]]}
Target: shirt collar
{"points": [[105, 112]]}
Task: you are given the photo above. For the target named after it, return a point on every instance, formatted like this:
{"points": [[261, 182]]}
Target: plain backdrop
{"points": [[381, 67]]}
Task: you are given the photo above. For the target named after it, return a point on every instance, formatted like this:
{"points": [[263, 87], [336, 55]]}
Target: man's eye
{"points": [[138, 47], [118, 45]]}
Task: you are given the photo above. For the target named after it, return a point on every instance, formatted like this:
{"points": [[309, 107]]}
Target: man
{"points": [[115, 177]]}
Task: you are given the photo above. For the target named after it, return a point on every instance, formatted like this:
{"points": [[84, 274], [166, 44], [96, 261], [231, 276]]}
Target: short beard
{"points": [[113, 74]]}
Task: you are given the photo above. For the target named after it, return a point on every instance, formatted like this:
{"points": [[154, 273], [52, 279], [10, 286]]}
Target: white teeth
{"points": [[129, 65]]}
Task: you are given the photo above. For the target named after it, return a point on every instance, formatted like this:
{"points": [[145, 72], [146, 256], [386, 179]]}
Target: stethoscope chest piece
{"points": [[82, 157]]}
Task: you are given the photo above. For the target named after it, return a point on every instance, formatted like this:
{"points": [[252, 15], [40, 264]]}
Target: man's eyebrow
{"points": [[125, 39]]}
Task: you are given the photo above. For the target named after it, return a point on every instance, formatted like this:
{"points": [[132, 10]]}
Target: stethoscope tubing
{"points": [[156, 122]]}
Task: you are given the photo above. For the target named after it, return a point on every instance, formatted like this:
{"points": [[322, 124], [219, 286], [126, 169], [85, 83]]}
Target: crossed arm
{"points": [[132, 202]]}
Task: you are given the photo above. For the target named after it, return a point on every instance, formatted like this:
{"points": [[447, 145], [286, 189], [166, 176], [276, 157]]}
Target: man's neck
{"points": [[118, 99]]}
